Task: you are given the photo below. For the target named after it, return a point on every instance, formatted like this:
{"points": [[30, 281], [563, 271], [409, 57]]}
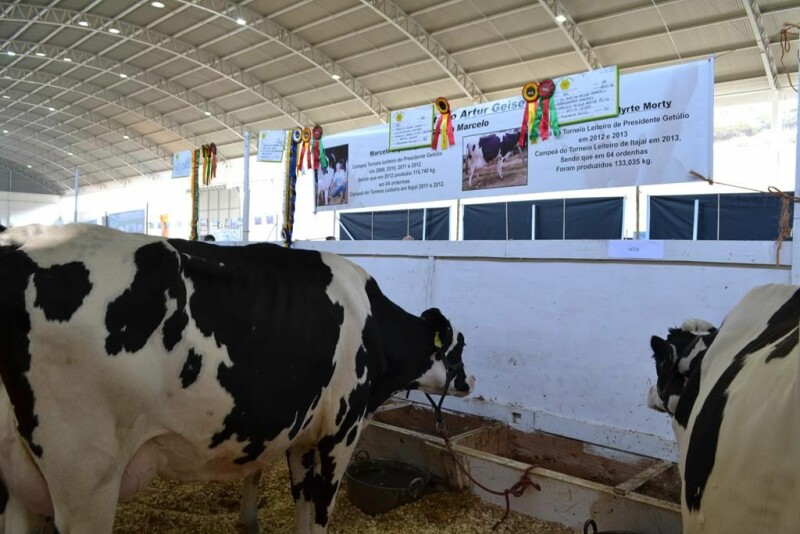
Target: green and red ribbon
{"points": [[546, 118], [530, 93], [318, 148], [444, 122]]}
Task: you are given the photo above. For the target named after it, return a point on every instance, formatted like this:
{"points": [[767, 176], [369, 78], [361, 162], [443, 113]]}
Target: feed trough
{"points": [[578, 480], [377, 486]]}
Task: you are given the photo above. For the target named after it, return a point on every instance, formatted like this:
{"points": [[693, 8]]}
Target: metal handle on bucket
{"points": [[362, 456], [415, 488], [592, 524]]}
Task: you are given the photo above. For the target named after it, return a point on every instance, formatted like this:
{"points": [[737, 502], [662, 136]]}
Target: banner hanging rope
{"points": [[445, 123], [290, 192], [530, 93]]}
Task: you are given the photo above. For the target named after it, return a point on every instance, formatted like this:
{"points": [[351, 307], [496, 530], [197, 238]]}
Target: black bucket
{"points": [[590, 527], [377, 486]]}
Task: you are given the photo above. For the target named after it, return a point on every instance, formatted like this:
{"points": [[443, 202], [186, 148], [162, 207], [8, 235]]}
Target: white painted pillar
{"points": [[75, 215], [246, 187]]}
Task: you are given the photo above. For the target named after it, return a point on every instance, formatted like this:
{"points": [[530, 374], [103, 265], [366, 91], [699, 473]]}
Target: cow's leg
{"points": [[500, 166], [84, 493], [248, 513], [18, 519], [316, 474]]}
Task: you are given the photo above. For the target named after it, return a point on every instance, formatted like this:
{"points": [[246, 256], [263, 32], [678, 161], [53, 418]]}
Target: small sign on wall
{"points": [[271, 144], [182, 164], [636, 249]]}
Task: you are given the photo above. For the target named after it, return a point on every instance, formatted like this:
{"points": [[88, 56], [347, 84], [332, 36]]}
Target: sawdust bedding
{"points": [[213, 508]]}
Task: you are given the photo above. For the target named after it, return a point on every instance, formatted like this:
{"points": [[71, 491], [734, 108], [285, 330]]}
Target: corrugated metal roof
{"points": [[194, 75]]}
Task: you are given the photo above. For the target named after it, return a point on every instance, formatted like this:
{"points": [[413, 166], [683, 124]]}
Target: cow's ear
{"points": [[662, 351], [439, 325]]}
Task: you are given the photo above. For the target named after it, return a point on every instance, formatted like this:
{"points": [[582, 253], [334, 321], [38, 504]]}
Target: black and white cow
{"points": [[736, 422], [490, 149], [126, 356]]}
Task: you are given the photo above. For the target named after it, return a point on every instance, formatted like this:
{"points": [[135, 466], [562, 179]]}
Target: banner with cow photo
{"points": [[663, 131]]}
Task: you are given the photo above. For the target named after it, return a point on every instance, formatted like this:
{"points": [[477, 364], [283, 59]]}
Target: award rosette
{"points": [[318, 148], [530, 93], [445, 123], [305, 149], [546, 114]]}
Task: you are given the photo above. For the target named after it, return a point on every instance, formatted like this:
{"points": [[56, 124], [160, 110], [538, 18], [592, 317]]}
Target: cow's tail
{"points": [[2, 228]]}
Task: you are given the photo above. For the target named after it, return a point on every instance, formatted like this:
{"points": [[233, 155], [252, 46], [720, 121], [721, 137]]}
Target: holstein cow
{"points": [[489, 149], [126, 356], [736, 421]]}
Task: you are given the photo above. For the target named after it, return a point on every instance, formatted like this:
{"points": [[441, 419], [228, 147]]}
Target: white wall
{"points": [[25, 208], [564, 343]]}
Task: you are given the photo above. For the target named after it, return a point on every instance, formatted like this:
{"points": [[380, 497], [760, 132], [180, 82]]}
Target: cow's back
{"points": [[740, 457]]}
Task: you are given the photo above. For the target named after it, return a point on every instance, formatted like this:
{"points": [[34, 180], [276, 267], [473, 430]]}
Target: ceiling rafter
{"points": [[414, 31], [129, 161], [554, 8], [55, 125], [148, 79], [45, 157], [78, 113], [93, 91], [293, 42], [31, 176], [154, 39], [762, 40], [34, 135]]}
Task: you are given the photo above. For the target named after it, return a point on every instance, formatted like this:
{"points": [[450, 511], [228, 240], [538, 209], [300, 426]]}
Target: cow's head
{"points": [[676, 358], [445, 361]]}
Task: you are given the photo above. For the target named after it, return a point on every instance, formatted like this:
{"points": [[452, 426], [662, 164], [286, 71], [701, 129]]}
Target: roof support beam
{"points": [[414, 31], [50, 124], [86, 90], [102, 64], [45, 157], [154, 39], [296, 44], [762, 40], [31, 134], [31, 176], [554, 8]]}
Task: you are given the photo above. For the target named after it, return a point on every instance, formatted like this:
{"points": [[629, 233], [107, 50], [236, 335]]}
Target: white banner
{"points": [[271, 144], [664, 130], [182, 164]]}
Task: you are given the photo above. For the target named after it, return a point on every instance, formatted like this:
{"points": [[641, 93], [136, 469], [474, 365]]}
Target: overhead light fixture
{"points": [[123, 75], [10, 53], [561, 19], [240, 21], [30, 167], [83, 23], [6, 96], [126, 137], [5, 131], [113, 30], [51, 109], [158, 5], [68, 60], [40, 54], [335, 76], [207, 113], [70, 154]]}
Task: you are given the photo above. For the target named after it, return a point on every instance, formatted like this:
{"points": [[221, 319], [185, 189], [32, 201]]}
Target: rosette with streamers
{"points": [[530, 93], [445, 123], [209, 153], [318, 149], [290, 193], [546, 114], [305, 149], [195, 194]]}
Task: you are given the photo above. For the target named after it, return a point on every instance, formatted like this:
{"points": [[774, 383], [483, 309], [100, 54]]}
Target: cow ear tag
{"points": [[437, 341]]}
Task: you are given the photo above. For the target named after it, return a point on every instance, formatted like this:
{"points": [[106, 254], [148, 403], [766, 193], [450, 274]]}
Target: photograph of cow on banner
{"points": [[494, 160]]}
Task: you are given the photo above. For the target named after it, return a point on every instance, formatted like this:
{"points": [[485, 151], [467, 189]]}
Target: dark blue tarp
{"points": [[396, 224], [589, 218]]}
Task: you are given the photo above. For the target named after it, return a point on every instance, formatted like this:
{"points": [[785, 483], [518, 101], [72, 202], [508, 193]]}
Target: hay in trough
{"points": [[213, 508]]}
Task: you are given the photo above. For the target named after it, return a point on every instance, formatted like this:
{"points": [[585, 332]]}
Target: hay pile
{"points": [[213, 508]]}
